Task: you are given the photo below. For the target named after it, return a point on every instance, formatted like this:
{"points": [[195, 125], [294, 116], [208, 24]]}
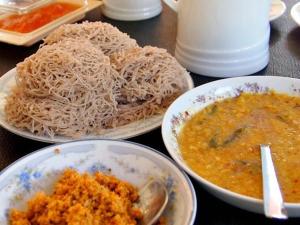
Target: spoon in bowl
{"points": [[153, 200], [273, 201]]}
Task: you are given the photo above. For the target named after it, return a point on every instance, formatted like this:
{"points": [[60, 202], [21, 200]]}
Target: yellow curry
{"points": [[221, 142]]}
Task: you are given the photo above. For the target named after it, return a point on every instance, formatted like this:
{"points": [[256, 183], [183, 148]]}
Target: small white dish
{"points": [[198, 98], [131, 10], [278, 8], [7, 81], [295, 13], [28, 39], [131, 162]]}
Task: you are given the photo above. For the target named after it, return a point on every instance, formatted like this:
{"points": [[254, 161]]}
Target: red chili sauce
{"points": [[37, 18]]}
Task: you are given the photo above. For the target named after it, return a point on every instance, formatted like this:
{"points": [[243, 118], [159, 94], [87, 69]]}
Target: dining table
{"points": [[161, 31]]}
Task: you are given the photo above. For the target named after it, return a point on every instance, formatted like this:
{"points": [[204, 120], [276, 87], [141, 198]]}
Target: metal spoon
{"points": [[273, 201], [153, 200]]}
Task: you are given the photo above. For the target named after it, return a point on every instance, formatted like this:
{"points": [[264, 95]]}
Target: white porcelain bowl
{"points": [[278, 8], [295, 13], [198, 98], [131, 10], [128, 161]]}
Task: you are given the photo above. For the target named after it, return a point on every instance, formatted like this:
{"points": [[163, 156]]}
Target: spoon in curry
{"points": [[153, 200], [273, 201]]}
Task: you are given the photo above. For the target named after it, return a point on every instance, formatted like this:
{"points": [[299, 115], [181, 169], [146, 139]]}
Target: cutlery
{"points": [[273, 201], [153, 201]]}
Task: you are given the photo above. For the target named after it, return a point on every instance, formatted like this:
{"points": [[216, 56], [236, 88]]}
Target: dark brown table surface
{"points": [[161, 31]]}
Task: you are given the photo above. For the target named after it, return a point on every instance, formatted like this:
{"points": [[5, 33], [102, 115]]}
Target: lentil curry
{"points": [[221, 142]]}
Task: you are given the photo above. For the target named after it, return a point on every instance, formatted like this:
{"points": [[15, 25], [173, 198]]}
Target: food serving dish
{"points": [[131, 10], [28, 39], [295, 13], [7, 81], [278, 8], [127, 161], [198, 98]]}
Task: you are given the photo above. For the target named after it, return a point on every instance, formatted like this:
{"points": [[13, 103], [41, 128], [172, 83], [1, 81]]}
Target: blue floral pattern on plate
{"points": [[127, 161]]}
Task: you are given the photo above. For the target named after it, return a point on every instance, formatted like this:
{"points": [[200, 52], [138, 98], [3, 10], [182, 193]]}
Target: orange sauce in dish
{"points": [[37, 18]]}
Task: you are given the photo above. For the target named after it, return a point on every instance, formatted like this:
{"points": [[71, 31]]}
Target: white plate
{"points": [[7, 81], [295, 13], [196, 99], [28, 39], [131, 162], [277, 9]]}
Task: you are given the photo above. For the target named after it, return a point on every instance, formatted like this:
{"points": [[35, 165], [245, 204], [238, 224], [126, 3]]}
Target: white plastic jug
{"points": [[222, 38]]}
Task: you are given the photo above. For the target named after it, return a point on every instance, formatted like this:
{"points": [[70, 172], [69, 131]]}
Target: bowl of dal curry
{"points": [[214, 131]]}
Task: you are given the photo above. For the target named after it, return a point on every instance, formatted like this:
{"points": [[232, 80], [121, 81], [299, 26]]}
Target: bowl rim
{"points": [[147, 149], [193, 174]]}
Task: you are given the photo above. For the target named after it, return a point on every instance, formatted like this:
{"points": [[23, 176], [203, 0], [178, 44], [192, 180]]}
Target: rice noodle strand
{"points": [[74, 87]]}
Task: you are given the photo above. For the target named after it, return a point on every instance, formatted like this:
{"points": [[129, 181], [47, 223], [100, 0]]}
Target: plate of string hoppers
{"points": [[87, 81]]}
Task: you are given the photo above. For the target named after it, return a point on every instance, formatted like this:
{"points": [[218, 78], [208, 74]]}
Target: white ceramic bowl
{"points": [[131, 10], [198, 98], [278, 8], [295, 13], [127, 161]]}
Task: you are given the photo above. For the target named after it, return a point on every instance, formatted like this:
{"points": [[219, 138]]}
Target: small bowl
{"points": [[278, 8], [131, 162], [295, 13], [131, 10], [198, 98]]}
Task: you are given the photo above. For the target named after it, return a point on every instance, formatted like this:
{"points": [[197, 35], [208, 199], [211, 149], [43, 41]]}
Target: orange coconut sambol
{"points": [[82, 199]]}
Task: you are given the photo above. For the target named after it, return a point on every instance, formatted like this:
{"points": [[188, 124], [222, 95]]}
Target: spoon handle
{"points": [[273, 201]]}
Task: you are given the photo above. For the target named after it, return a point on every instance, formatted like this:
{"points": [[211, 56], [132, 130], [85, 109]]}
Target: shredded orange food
{"points": [[82, 200]]}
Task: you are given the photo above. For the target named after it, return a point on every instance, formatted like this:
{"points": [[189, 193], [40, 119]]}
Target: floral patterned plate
{"points": [[7, 81], [127, 161], [198, 98]]}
